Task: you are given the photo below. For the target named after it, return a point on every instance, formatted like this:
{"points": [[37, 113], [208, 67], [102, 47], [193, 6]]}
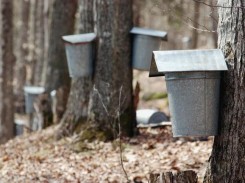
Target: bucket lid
{"points": [[187, 60], [34, 89], [149, 32], [79, 38]]}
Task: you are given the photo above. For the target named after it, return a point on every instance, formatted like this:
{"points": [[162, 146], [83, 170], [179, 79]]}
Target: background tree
{"points": [[77, 106], [20, 69], [112, 100], [226, 163], [57, 76], [6, 72], [39, 42]]}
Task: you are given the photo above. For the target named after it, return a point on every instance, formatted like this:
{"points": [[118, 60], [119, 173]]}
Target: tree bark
{"points": [[6, 72], [227, 163], [57, 76], [111, 102], [180, 177], [77, 105]]}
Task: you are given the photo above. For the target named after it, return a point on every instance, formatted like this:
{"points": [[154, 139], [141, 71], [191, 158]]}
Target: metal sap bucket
{"points": [[31, 93], [194, 102], [193, 85], [147, 116], [144, 42], [19, 127], [79, 53]]}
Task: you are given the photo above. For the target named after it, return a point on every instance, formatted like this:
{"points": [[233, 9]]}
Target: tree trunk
{"points": [[31, 59], [20, 69], [39, 44], [111, 100], [63, 20], [33, 41], [227, 163], [180, 177], [77, 106], [47, 18], [6, 72]]}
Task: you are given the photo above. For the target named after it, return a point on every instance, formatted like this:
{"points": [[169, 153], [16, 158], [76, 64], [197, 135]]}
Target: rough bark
{"points": [[57, 76], [111, 99], [77, 105], [6, 72], [227, 163], [180, 177]]}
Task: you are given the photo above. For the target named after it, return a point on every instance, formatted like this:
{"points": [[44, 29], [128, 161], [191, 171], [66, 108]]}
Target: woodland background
{"points": [[190, 25]]}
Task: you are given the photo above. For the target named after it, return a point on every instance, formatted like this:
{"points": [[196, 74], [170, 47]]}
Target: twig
{"points": [[172, 13], [95, 89], [120, 139]]}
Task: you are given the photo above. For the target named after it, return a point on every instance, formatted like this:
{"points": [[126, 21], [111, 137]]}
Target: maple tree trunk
{"points": [[180, 177], [6, 72], [57, 76], [226, 163], [78, 101], [111, 98]]}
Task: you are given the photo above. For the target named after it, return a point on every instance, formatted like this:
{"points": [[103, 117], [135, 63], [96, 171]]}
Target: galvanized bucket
{"points": [[79, 53], [144, 42], [31, 93], [19, 127], [193, 82], [194, 102]]}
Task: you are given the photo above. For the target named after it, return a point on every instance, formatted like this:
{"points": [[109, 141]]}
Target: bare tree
{"points": [[6, 72], [57, 77], [39, 41], [226, 163], [113, 74], [77, 106]]}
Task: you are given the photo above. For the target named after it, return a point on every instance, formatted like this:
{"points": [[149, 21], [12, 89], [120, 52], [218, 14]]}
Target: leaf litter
{"points": [[37, 157]]}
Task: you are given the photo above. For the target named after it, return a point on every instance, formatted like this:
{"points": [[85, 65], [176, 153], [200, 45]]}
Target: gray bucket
{"points": [[144, 42], [80, 59], [31, 93], [79, 53], [143, 46], [194, 102], [19, 127]]}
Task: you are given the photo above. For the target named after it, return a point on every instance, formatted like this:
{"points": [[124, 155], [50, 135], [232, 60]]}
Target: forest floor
{"points": [[38, 157]]}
